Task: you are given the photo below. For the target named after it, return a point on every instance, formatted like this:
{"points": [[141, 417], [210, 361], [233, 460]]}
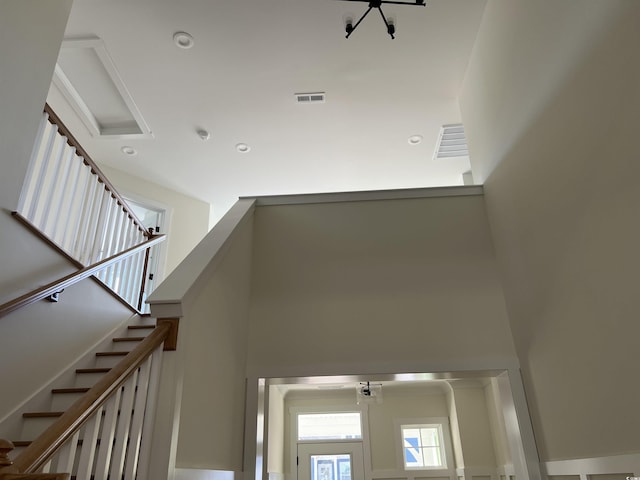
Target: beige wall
{"points": [[473, 427], [563, 205], [215, 343], [189, 217], [372, 287], [384, 420]]}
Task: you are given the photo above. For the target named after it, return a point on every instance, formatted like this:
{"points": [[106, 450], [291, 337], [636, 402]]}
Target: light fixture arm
{"points": [[391, 29]]}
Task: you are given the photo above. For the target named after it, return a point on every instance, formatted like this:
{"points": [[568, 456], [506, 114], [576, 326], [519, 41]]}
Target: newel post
{"points": [[6, 464]]}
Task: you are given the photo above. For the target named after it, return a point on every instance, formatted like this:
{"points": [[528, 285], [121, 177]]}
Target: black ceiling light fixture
{"points": [[391, 29]]}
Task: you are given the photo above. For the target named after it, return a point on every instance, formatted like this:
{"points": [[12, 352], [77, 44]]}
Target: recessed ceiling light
{"points": [[415, 139], [183, 40], [243, 147], [128, 150]]}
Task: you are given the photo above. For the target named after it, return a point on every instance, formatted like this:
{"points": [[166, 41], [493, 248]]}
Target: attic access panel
{"points": [[87, 77]]}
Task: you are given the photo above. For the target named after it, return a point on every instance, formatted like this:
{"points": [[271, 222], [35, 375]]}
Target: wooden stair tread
{"points": [[128, 339], [141, 327], [69, 390], [21, 443], [92, 370], [42, 414], [111, 354]]}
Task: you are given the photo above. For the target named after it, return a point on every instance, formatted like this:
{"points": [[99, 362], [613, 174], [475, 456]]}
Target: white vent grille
{"points": [[451, 142], [317, 97]]}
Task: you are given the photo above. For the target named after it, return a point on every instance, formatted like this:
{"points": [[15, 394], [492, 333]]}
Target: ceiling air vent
{"points": [[451, 142], [317, 97]]}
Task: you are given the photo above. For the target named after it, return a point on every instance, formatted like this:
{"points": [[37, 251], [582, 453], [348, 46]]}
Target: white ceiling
{"points": [[238, 82]]}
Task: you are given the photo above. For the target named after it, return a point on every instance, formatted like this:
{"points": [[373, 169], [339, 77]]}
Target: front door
{"points": [[330, 461]]}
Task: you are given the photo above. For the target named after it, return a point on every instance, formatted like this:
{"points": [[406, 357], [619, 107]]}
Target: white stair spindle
{"points": [[67, 454], [107, 435], [90, 223], [28, 189], [89, 441], [124, 422], [46, 468], [77, 209], [66, 200], [150, 412], [47, 189], [39, 183], [93, 239], [53, 186], [83, 222], [137, 421]]}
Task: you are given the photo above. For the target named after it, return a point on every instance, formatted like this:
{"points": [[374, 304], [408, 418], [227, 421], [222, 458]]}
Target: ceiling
{"points": [[238, 82]]}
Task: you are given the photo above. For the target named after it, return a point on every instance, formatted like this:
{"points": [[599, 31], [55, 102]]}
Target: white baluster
{"points": [[136, 275], [69, 187], [101, 226], [111, 408], [121, 241], [52, 131], [133, 449], [48, 189], [124, 422], [67, 454], [77, 208], [106, 228], [53, 185], [88, 450], [93, 239], [28, 189], [46, 468], [83, 221], [90, 222], [149, 414]]}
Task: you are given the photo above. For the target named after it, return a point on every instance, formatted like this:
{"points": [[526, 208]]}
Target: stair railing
{"points": [[71, 202], [74, 277], [100, 436]]}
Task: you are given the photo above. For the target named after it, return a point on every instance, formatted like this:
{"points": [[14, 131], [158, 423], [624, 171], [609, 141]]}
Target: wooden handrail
{"points": [[38, 452], [68, 280], [71, 140]]}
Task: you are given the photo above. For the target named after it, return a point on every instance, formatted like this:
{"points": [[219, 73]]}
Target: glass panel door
{"points": [[330, 461]]}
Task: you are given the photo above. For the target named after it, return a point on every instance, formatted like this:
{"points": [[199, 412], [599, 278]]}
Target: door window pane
{"points": [[331, 467]]}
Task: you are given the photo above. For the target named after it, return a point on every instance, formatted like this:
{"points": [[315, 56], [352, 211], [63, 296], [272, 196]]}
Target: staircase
{"points": [[115, 432]]}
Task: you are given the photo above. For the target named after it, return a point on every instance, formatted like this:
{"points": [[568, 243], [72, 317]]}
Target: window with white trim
{"points": [[423, 446], [329, 426]]}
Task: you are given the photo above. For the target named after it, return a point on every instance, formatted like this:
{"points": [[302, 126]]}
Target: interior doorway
{"points": [[153, 218], [390, 420]]}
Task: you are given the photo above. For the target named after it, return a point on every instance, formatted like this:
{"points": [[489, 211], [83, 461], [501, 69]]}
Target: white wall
{"points": [[39, 341], [375, 287], [563, 205], [30, 35], [189, 217]]}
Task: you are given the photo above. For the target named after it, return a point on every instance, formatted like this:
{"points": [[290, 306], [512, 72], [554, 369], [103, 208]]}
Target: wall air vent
{"points": [[451, 142], [317, 97]]}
